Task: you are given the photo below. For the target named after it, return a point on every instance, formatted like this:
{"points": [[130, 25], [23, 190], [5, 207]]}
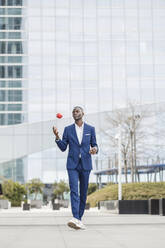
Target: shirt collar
{"points": [[78, 126]]}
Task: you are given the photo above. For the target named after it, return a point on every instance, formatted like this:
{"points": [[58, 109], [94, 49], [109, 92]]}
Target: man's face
{"points": [[77, 114]]}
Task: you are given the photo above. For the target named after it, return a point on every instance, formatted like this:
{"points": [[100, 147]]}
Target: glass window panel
{"points": [[146, 84], [62, 3], [76, 72], [117, 25], [14, 107], [119, 72], [133, 83], [14, 35], [34, 96], [129, 4], [160, 71], [62, 72], [77, 84], [48, 24], [60, 59], [118, 48], [90, 105], [76, 4], [105, 98], [14, 11], [103, 4], [48, 47], [104, 48], [15, 84], [159, 4], [35, 72], [2, 95], [76, 25], [147, 95], [104, 25], [90, 48], [133, 95], [90, 72], [34, 11], [48, 96], [89, 4], [145, 4], [77, 97], [89, 13], [105, 83], [158, 23], [76, 49], [62, 12], [132, 71], [62, 24], [105, 72], [160, 84], [90, 25], [48, 72], [15, 95], [2, 84], [34, 24], [62, 48], [34, 47], [117, 4], [51, 3], [50, 108], [62, 84]]}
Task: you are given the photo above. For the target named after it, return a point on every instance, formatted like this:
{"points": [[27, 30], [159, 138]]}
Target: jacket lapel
{"points": [[84, 131], [75, 134]]}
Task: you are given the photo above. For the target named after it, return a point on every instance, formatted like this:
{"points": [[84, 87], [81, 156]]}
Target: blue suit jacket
{"points": [[70, 137]]}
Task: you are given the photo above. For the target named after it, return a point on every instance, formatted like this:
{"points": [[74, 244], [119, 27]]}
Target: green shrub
{"points": [[130, 191], [14, 192]]}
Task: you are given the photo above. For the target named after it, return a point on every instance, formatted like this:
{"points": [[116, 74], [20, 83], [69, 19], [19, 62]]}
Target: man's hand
{"points": [[93, 150], [55, 131]]}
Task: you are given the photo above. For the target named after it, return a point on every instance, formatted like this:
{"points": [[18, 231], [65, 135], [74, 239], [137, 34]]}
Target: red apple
{"points": [[58, 115]]}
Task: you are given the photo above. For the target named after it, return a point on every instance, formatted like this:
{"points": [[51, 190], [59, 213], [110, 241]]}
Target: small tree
{"points": [[35, 186], [59, 189], [14, 192], [134, 135]]}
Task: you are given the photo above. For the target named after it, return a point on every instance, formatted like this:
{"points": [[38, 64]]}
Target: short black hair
{"points": [[79, 108]]}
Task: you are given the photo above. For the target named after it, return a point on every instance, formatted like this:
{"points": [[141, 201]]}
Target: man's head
{"points": [[77, 113]]}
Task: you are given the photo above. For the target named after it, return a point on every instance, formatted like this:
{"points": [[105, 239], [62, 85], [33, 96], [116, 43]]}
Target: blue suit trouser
{"points": [[78, 182]]}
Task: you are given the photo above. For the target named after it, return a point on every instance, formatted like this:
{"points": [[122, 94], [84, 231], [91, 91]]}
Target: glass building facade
{"points": [[13, 75], [100, 54]]}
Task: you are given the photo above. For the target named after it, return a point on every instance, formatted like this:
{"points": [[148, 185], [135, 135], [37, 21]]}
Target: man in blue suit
{"points": [[81, 139]]}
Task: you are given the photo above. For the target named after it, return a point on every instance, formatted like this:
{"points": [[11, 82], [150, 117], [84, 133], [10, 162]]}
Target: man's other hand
{"points": [[93, 150]]}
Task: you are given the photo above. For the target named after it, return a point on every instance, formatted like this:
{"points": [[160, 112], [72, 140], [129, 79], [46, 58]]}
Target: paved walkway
{"points": [[47, 228]]}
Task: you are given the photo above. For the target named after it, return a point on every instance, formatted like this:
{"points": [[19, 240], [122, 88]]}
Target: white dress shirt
{"points": [[79, 132]]}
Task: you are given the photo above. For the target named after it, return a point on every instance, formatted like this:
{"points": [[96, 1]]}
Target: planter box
{"points": [[110, 205], [133, 207], [36, 203], [26, 206], [1, 192], [153, 206], [56, 206], [87, 206], [4, 204], [63, 203], [162, 206]]}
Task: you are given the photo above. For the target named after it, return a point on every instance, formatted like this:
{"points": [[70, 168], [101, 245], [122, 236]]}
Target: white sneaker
{"points": [[81, 225], [74, 223]]}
